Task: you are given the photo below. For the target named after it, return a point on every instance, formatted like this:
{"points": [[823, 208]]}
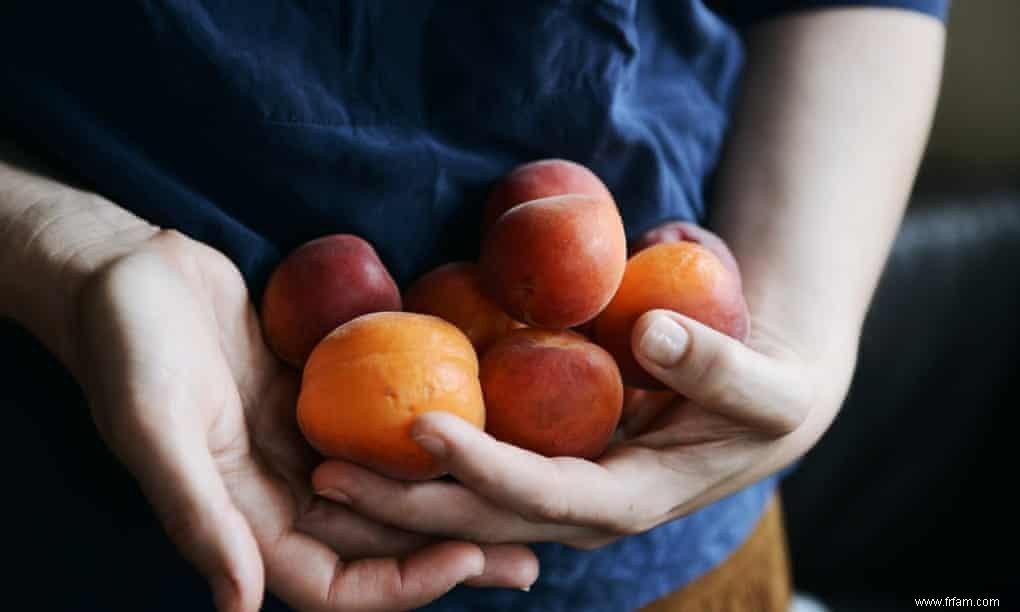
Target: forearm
{"points": [[833, 121], [52, 237]]}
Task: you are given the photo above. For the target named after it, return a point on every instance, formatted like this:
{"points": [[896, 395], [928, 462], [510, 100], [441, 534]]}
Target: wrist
{"points": [[55, 238]]}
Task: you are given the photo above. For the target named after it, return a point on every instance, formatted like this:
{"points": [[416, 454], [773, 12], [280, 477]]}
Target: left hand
{"points": [[742, 412]]}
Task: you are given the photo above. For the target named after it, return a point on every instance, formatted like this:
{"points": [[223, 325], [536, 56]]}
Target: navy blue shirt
{"points": [[257, 126]]}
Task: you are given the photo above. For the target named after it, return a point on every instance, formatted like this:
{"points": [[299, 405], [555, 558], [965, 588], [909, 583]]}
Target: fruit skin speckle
{"points": [[368, 380]]}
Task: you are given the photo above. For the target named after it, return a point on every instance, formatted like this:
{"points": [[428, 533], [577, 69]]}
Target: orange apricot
{"points": [[684, 277], [682, 231], [368, 380]]}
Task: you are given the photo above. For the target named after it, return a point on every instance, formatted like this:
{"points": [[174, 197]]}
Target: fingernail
{"points": [[664, 342], [432, 444], [526, 589], [335, 495]]}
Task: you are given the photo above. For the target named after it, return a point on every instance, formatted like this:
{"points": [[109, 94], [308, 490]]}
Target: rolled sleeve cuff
{"points": [[748, 13]]}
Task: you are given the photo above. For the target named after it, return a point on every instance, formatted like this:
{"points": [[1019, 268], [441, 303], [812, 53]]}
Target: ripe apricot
{"points": [[555, 262], [681, 276], [541, 179], [682, 231], [453, 292], [319, 286], [368, 380], [551, 392]]}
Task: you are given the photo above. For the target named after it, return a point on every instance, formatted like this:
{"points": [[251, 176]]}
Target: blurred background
{"points": [[908, 495], [978, 118]]}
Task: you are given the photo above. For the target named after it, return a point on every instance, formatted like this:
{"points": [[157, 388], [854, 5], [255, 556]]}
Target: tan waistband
{"points": [[756, 577]]}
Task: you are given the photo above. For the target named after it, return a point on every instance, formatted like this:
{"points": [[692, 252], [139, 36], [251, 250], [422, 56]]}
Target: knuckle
{"points": [[792, 411], [628, 523], [802, 400], [714, 379], [548, 508], [482, 478], [550, 504]]}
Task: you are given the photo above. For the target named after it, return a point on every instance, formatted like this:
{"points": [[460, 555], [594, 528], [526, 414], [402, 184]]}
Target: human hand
{"points": [[182, 388], [741, 412]]}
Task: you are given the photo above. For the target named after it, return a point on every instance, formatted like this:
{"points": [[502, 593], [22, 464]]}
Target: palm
{"points": [[185, 391]]}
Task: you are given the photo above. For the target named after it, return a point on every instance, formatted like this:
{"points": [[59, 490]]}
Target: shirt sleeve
{"points": [[745, 12]]}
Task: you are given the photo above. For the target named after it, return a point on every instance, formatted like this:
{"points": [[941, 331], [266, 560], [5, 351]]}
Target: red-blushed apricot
{"points": [[319, 286], [541, 179], [681, 276], [368, 380], [555, 262], [453, 292], [551, 392], [682, 231]]}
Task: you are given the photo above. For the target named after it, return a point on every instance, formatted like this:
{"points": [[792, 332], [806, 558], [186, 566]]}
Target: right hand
{"points": [[168, 349]]}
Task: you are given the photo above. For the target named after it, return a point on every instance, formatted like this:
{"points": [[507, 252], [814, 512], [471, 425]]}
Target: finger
{"points": [[310, 576], [438, 508], [507, 566], [181, 480], [720, 373], [353, 536], [560, 490]]}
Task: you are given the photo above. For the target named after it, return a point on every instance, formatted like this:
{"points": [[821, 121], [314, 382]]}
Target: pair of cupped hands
{"points": [[183, 389]]}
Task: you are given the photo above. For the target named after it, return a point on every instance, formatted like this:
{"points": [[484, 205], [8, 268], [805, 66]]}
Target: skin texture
{"points": [[453, 292], [541, 179], [555, 263], [835, 110], [553, 393], [319, 286], [160, 332], [680, 276], [369, 379]]}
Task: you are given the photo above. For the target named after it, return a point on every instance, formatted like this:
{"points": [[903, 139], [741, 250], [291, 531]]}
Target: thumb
{"points": [[180, 478], [719, 373]]}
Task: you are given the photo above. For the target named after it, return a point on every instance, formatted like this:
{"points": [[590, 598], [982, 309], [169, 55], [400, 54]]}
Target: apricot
{"points": [[368, 380], [555, 262], [551, 392], [681, 276], [682, 231], [319, 286], [541, 179], [453, 292]]}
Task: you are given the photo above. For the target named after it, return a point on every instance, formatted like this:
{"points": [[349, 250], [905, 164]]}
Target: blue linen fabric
{"points": [[257, 126]]}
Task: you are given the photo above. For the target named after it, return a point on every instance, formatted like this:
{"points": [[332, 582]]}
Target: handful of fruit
{"points": [[531, 343]]}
